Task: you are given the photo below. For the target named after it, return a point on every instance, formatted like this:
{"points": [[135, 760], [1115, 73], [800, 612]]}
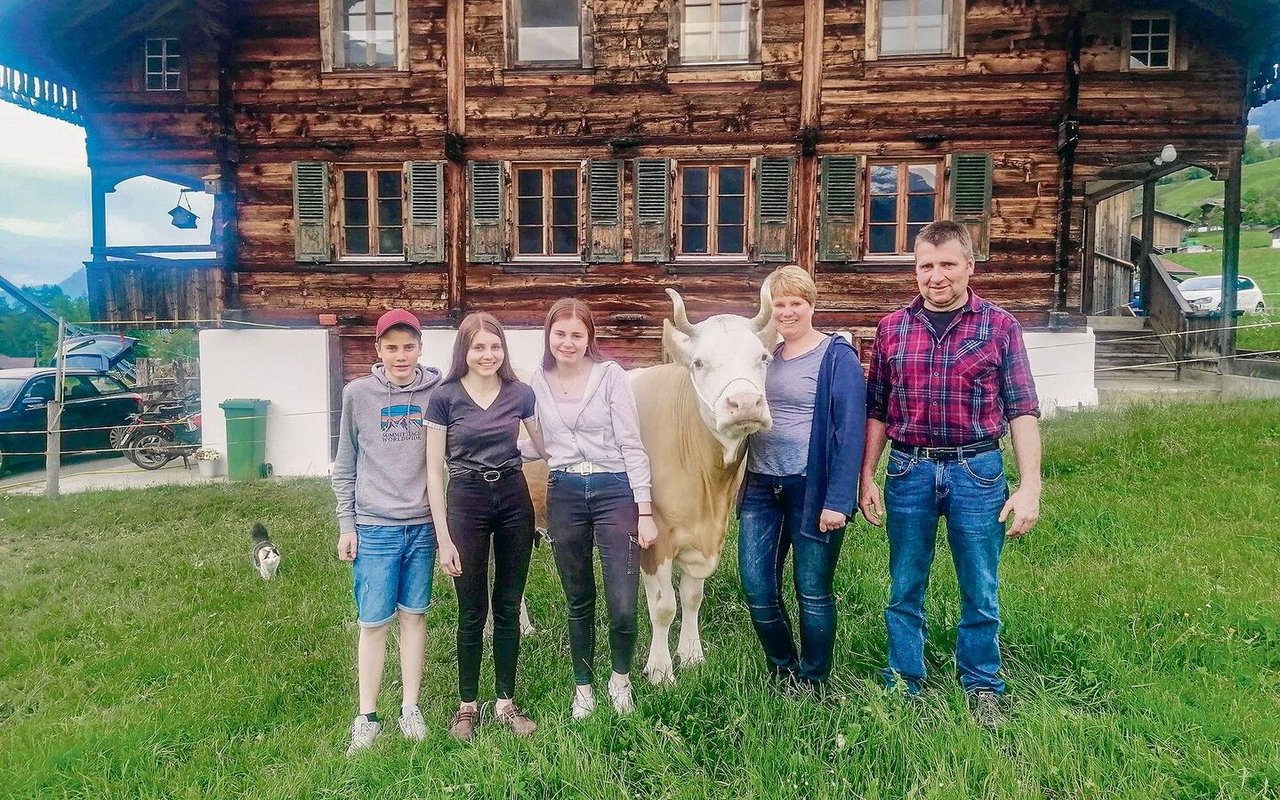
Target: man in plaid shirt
{"points": [[949, 374]]}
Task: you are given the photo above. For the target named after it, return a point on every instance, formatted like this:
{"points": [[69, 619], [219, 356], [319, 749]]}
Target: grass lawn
{"points": [[142, 658], [1259, 261]]}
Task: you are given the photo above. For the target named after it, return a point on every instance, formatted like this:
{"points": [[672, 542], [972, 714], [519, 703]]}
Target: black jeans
{"points": [[595, 510], [477, 512]]}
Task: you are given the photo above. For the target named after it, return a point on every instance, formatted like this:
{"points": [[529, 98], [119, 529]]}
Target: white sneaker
{"points": [[583, 704], [620, 696], [363, 732], [412, 726]]}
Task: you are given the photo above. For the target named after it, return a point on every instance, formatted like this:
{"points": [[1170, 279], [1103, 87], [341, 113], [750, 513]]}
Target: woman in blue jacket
{"points": [[801, 485]]}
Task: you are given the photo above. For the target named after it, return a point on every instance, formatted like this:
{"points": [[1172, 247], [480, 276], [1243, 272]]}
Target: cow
{"points": [[695, 416]]}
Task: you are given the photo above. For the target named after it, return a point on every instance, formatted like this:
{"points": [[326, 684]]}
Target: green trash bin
{"points": [[246, 438]]}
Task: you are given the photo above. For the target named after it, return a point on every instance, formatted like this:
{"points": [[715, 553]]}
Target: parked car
{"points": [[96, 409], [1204, 293]]}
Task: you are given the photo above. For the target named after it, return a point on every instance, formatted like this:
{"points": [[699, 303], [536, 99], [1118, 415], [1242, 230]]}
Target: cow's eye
{"points": [[697, 363]]}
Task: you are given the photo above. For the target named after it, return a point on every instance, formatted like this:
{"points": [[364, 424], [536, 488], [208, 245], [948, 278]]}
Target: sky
{"points": [[45, 223]]}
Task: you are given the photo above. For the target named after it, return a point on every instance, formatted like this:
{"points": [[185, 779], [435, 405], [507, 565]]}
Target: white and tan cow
{"points": [[695, 417]]}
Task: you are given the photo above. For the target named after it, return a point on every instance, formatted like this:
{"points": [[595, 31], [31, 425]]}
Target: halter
{"points": [[711, 405]]}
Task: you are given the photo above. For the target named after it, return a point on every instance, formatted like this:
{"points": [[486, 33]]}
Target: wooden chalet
{"points": [[498, 154]]}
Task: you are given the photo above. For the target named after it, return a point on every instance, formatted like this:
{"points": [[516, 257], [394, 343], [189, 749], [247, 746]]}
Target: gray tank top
{"points": [[791, 386]]}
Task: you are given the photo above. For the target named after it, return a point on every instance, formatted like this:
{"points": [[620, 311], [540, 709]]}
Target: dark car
{"points": [[95, 406]]}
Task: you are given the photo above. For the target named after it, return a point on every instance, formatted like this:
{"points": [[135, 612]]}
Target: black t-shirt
{"points": [[480, 438], [940, 320]]}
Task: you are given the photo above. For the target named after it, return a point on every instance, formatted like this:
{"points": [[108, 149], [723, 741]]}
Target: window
{"points": [[105, 384], [364, 34], [1151, 42], [717, 31], [547, 210], [372, 212], [545, 31], [164, 65], [914, 28], [901, 199], [712, 210]]}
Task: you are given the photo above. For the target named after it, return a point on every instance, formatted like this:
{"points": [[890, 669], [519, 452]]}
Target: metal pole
{"points": [[53, 453], [1230, 259]]}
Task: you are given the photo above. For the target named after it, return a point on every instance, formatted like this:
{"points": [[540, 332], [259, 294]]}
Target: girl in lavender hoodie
{"points": [[597, 493]]}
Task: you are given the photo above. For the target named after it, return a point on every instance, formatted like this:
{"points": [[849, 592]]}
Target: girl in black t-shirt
{"points": [[473, 420]]}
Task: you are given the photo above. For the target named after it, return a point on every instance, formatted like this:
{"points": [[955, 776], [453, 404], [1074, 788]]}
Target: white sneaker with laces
{"points": [[583, 703], [620, 696], [412, 726], [363, 732]]}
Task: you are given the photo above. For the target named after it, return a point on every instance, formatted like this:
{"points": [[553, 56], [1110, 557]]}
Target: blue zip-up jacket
{"points": [[836, 439]]}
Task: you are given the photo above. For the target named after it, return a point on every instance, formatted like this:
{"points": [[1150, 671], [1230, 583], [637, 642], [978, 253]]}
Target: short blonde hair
{"points": [[792, 281]]}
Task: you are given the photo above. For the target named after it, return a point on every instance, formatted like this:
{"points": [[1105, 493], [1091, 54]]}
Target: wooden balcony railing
{"points": [[39, 94]]}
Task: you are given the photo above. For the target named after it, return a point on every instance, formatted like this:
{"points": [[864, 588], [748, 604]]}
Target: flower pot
{"points": [[208, 469]]}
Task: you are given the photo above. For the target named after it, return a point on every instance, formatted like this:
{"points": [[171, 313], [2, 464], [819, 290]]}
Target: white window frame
{"points": [[677, 57], [371, 201], [713, 196], [1128, 42], [511, 8], [333, 55], [171, 65], [955, 34]]}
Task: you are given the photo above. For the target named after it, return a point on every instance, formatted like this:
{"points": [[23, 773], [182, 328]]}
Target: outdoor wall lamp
{"points": [[1168, 155]]}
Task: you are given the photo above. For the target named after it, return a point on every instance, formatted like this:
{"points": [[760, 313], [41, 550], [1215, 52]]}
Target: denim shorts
{"points": [[393, 569]]}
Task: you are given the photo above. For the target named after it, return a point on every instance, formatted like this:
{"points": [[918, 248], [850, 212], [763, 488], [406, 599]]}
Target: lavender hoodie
{"points": [[606, 432]]}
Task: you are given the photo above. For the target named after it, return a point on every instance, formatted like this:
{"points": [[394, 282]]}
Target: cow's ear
{"points": [[675, 344], [769, 336]]}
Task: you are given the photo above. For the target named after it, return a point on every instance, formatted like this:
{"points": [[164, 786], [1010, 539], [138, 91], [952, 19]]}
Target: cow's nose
{"points": [[744, 403]]}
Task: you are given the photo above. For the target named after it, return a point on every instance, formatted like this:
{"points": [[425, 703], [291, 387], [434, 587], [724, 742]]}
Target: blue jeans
{"points": [[393, 569], [969, 494], [770, 526]]}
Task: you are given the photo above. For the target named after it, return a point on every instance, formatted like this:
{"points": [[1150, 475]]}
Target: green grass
{"points": [[141, 658], [1184, 198]]}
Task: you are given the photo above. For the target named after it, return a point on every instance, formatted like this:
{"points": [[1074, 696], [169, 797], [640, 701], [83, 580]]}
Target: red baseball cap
{"points": [[396, 316]]}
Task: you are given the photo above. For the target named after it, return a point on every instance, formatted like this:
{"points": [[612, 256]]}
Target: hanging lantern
{"points": [[183, 216]]}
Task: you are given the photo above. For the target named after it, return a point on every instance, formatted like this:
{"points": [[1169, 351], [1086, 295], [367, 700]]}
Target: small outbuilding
{"points": [[1170, 230], [1275, 237]]}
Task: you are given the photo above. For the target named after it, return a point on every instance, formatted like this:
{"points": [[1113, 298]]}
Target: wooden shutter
{"points": [[773, 240], [653, 201], [425, 242], [839, 236], [486, 235], [604, 211], [311, 211], [971, 198]]}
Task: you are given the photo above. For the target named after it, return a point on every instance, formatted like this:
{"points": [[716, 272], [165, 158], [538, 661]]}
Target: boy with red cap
{"points": [[384, 519]]}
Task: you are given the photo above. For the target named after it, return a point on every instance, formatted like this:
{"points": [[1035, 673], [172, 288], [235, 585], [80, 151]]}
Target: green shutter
{"points": [[311, 211], [425, 242], [653, 201], [971, 198], [604, 206], [774, 178], [838, 204], [486, 235]]}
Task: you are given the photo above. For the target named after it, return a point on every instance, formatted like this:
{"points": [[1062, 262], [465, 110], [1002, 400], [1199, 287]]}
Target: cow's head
{"points": [[726, 356]]}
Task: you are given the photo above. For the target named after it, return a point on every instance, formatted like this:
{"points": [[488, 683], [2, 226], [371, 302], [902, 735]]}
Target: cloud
{"points": [[73, 228], [33, 144]]}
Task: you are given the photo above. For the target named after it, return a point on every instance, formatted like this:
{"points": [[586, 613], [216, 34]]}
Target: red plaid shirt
{"points": [[953, 390]]}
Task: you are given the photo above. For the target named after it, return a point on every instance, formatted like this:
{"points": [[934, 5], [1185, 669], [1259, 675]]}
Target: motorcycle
{"points": [[154, 438]]}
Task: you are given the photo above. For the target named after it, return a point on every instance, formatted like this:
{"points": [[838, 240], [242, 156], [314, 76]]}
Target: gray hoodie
{"points": [[380, 473]]}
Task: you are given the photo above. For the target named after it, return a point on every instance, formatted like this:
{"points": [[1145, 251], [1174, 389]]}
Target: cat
{"points": [[266, 556]]}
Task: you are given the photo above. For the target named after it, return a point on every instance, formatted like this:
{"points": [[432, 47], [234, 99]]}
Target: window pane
{"points": [[155, 81], [529, 182], [173, 47], [730, 239], [694, 239], [529, 211], [732, 180], [883, 239], [922, 178], [731, 210], [390, 241], [564, 239], [548, 30], [1159, 60], [1140, 26], [564, 182], [1160, 42], [732, 35], [695, 181], [355, 184], [884, 208], [358, 241], [356, 212], [155, 64], [389, 184], [1159, 26], [155, 47], [694, 211], [920, 208], [530, 241], [696, 31], [171, 81], [564, 211], [884, 179], [390, 212], [912, 232]]}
